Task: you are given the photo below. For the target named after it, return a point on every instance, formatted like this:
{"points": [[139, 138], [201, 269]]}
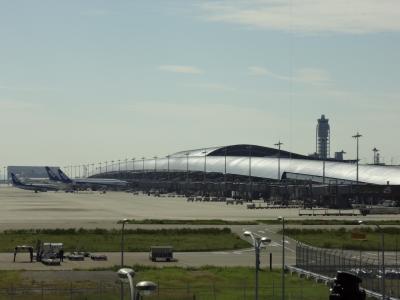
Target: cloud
{"points": [[305, 75], [180, 69], [307, 16]]}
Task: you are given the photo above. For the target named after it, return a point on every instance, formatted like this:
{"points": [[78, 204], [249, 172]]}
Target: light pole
{"points": [[279, 144], [155, 163], [357, 137], [383, 275], [141, 288], [123, 221], [168, 156], [257, 243], [187, 166], [205, 165], [250, 182], [283, 257]]}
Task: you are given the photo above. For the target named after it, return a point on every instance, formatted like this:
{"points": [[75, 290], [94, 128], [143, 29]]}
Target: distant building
{"points": [[322, 137], [339, 155]]}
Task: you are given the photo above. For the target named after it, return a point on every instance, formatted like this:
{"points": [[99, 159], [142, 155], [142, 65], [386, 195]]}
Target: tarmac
{"points": [[22, 209]]}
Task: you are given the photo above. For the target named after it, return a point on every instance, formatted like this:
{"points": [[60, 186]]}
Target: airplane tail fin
{"points": [[15, 179], [64, 177], [52, 175]]}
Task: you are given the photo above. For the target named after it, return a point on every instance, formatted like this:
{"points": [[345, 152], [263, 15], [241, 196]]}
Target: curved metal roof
{"points": [[261, 166]]}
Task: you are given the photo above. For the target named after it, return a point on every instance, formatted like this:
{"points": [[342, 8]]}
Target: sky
{"points": [[89, 81]]}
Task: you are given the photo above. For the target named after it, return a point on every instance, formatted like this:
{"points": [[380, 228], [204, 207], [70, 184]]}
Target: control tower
{"points": [[323, 138]]}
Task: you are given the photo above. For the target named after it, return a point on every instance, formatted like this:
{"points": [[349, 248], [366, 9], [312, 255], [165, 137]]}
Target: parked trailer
{"points": [[161, 252]]}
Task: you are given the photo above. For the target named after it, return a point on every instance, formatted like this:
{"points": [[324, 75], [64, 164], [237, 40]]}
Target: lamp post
{"points": [[383, 258], [187, 166], [279, 144], [357, 137], [283, 258], [168, 156], [142, 288], [205, 165], [123, 221], [250, 182], [155, 163], [257, 243]]}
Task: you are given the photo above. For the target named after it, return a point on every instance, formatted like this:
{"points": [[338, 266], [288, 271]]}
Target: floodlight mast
{"points": [[357, 137], [279, 144], [257, 243]]}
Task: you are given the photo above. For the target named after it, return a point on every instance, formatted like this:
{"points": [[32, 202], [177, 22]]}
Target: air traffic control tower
{"points": [[323, 138]]}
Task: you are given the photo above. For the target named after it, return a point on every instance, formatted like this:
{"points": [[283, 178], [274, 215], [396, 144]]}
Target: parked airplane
{"points": [[84, 183], [32, 187]]}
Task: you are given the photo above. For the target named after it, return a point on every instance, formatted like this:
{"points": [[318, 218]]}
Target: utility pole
{"points": [[357, 137], [279, 144]]}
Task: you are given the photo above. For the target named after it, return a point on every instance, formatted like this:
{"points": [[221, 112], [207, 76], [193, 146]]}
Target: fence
{"points": [[188, 292], [327, 262]]}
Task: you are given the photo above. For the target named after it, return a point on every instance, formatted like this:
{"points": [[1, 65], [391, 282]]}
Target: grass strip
{"points": [[137, 240], [202, 283], [342, 238], [190, 222], [329, 222]]}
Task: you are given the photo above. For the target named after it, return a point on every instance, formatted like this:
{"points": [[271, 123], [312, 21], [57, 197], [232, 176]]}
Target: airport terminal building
{"points": [[256, 163]]}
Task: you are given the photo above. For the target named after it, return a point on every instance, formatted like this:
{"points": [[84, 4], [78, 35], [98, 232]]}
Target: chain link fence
{"points": [[107, 291], [327, 262]]}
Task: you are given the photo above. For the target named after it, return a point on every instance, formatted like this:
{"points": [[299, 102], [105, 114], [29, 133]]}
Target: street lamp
{"points": [[205, 165], [283, 257], [360, 222], [258, 242], [357, 137], [250, 182], [155, 163], [168, 156], [187, 166], [123, 274], [142, 288], [279, 144], [123, 221]]}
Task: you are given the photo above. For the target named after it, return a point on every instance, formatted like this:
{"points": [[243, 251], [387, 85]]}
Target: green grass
{"points": [[191, 222], [101, 240], [329, 222], [206, 283], [342, 238]]}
